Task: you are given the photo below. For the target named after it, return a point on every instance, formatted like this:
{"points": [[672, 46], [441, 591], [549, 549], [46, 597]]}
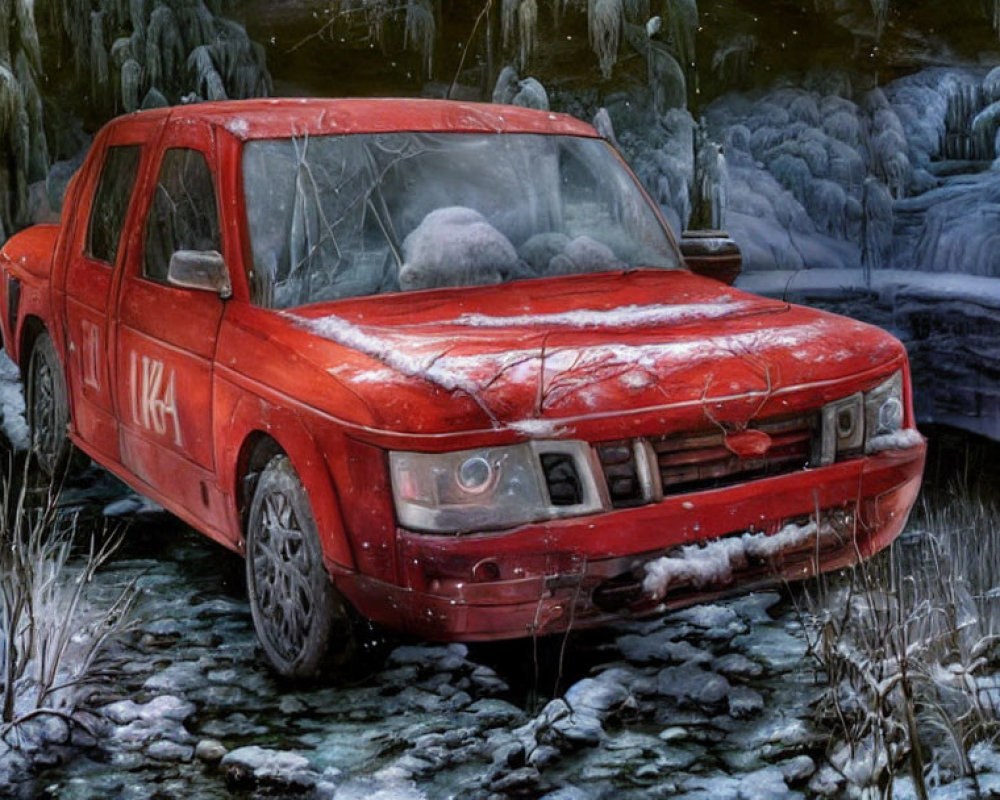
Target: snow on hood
{"points": [[626, 317], [545, 375]]}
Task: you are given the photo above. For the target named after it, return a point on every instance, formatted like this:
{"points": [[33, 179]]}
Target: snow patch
{"points": [[538, 428], [624, 317], [12, 405], [701, 565], [238, 126], [900, 440]]}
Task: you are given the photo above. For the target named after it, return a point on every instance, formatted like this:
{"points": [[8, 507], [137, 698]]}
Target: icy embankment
{"points": [[713, 563], [823, 187], [948, 322], [12, 404]]}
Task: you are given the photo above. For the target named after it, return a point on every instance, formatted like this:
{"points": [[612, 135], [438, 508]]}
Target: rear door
{"points": [[166, 335], [96, 248]]}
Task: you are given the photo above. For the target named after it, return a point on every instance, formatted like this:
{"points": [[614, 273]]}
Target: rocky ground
{"points": [[712, 702]]}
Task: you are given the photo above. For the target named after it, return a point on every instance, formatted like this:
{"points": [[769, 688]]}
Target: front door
{"points": [[167, 334]]}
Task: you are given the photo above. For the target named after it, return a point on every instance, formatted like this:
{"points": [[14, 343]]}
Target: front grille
{"points": [[700, 460], [621, 473]]}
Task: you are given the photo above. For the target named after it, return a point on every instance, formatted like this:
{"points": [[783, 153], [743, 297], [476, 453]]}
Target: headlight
{"points": [[884, 408], [848, 425], [493, 487]]}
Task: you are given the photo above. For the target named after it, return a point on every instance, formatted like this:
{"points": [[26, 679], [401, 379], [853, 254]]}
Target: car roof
{"points": [[283, 117]]}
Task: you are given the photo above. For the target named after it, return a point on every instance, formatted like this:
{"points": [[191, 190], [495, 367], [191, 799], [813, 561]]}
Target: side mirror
{"points": [[200, 269], [712, 254]]}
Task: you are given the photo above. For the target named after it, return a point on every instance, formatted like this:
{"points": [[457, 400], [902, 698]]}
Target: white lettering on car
{"points": [[154, 402], [91, 354]]}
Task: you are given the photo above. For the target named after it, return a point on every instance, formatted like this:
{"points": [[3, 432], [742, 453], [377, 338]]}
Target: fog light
{"points": [[486, 570]]}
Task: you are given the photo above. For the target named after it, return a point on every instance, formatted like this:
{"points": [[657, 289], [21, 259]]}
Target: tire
{"points": [[47, 412], [304, 625]]}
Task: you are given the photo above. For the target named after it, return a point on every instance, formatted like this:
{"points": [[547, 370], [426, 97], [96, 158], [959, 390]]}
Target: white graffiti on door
{"points": [[91, 354], [154, 401]]}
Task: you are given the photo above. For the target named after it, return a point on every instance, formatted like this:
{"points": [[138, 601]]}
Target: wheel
{"points": [[303, 623], [47, 410]]}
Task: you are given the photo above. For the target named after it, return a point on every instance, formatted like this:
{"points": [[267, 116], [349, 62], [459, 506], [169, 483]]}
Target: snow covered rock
{"points": [[253, 765]]}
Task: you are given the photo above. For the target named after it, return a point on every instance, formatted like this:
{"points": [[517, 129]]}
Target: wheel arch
{"points": [[257, 432], [31, 328]]}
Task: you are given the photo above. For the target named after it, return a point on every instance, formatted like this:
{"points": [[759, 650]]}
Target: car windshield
{"points": [[345, 216]]}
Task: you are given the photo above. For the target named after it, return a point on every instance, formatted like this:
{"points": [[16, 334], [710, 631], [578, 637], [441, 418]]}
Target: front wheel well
{"points": [[257, 450], [32, 328]]}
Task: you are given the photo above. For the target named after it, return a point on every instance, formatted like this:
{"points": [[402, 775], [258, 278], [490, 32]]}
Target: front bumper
{"points": [[583, 572]]}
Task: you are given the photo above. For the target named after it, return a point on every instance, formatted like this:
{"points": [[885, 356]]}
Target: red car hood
{"points": [[536, 355]]}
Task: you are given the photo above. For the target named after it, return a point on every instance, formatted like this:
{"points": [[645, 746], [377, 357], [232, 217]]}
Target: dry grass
{"points": [[909, 644], [53, 627]]}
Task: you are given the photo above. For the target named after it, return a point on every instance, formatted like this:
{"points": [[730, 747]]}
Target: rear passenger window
{"points": [[183, 215], [114, 190]]}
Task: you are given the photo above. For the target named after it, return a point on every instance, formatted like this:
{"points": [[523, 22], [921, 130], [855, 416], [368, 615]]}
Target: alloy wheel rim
{"points": [[282, 569], [43, 417]]}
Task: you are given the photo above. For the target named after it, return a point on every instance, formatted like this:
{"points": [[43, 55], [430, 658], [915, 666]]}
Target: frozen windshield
{"points": [[344, 216]]}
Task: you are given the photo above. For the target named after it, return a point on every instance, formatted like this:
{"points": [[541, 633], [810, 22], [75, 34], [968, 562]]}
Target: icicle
{"points": [[603, 125], [991, 84], [506, 86], [24, 11], [138, 13], [985, 126], [10, 101], [21, 141], [196, 23], [263, 87], [38, 165], [131, 83], [508, 21], [154, 99], [527, 14], [420, 31], [605, 24], [164, 47], [636, 11], [215, 89], [121, 51], [880, 10], [731, 62], [666, 79], [100, 74], [531, 94], [682, 17]]}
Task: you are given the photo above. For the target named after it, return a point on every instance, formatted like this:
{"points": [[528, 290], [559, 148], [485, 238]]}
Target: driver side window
{"points": [[184, 215]]}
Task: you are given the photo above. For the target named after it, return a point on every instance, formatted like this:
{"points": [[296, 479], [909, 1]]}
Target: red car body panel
{"points": [[660, 355]]}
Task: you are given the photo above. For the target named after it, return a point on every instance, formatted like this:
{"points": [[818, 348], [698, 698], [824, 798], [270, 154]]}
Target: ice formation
{"points": [[713, 563], [624, 317], [455, 246]]}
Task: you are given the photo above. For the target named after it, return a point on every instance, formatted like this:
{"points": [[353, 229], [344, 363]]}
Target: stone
{"points": [[255, 765], [210, 750], [744, 701], [517, 781], [165, 750], [764, 784], [579, 729], [737, 665], [693, 684], [600, 697], [797, 769]]}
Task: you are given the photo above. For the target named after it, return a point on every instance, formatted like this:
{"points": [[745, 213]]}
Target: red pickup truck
{"points": [[441, 366]]}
